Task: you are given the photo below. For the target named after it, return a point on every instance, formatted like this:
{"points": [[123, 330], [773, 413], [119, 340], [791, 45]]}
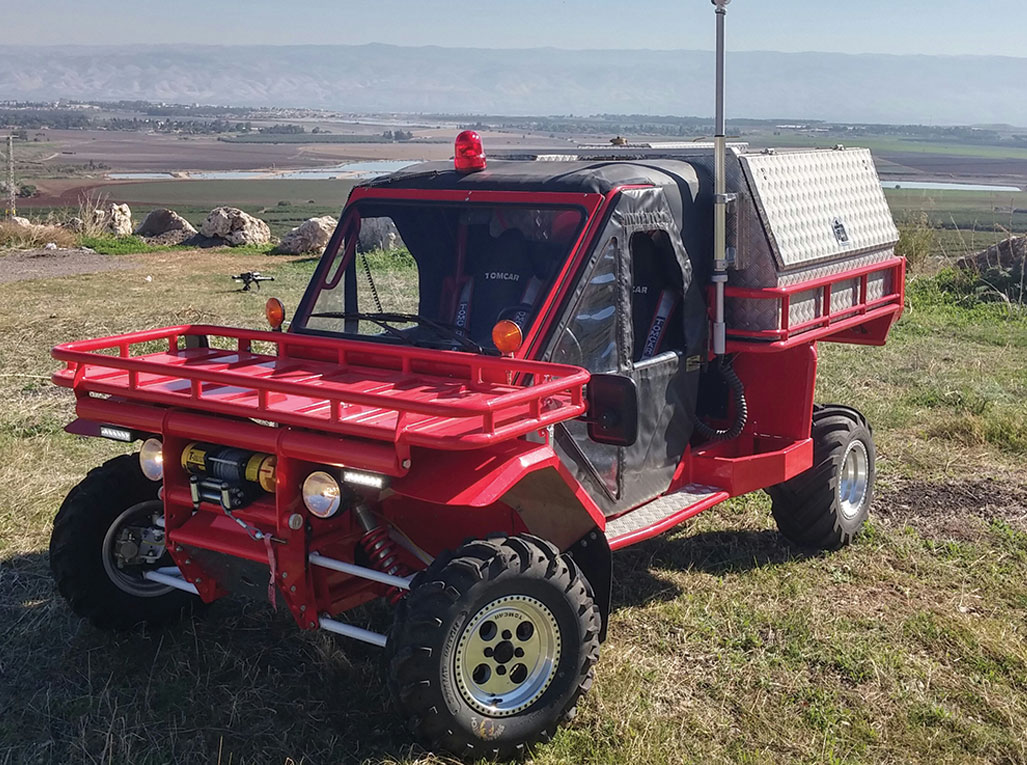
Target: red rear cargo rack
{"points": [[874, 315]]}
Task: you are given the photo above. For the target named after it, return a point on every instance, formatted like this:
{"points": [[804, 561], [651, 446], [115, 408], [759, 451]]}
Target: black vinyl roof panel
{"points": [[589, 177]]}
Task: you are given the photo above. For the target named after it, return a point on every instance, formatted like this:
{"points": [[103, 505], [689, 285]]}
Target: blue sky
{"points": [[848, 26]]}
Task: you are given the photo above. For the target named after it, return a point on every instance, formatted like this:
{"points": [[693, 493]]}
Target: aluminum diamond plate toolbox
{"points": [[806, 215], [819, 205]]}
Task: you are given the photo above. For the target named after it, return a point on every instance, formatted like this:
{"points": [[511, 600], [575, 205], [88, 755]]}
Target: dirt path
{"points": [[19, 265]]}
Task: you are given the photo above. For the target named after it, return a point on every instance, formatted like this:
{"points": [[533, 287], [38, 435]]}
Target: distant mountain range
{"points": [[829, 86]]}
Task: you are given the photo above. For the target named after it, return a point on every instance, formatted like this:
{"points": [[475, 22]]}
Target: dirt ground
{"points": [[16, 266], [953, 510]]}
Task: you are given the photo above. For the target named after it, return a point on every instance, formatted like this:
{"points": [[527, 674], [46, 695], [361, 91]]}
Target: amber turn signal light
{"points": [[506, 336], [275, 313]]}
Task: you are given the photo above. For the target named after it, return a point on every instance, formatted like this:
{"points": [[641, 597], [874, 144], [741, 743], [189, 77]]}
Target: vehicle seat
{"points": [[656, 297], [502, 284]]}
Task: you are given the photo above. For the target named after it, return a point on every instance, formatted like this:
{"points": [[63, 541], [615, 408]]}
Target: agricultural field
{"points": [[962, 222], [726, 644], [282, 204]]}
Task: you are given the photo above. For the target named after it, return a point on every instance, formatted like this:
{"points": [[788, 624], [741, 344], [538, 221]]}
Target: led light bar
{"points": [[370, 480], [117, 434]]}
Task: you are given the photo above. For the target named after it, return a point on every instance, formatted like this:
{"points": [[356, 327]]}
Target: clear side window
{"points": [[590, 341]]}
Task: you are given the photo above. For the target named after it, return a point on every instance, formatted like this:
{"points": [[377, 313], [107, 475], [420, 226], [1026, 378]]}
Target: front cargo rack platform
{"points": [[408, 396]]}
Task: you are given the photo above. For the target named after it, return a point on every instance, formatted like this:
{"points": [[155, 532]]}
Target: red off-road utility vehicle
{"points": [[579, 353]]}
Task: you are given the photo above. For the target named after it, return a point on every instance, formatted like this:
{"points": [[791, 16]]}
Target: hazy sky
{"points": [[848, 26]]}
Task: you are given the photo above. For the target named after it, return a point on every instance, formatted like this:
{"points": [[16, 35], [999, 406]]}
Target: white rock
{"points": [[50, 246], [310, 236], [235, 227], [17, 220], [116, 219], [161, 221]]}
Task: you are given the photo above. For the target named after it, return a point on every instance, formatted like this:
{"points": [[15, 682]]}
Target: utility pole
{"points": [[12, 209]]}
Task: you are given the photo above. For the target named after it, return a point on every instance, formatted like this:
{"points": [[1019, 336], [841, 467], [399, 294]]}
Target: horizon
{"points": [[507, 49]]}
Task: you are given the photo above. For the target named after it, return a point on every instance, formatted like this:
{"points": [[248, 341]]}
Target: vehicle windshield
{"points": [[438, 275]]}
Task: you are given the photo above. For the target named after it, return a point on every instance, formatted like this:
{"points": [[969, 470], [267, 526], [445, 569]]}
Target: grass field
{"points": [[968, 211], [886, 144], [726, 645]]}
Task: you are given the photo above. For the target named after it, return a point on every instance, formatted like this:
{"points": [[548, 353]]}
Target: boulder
{"points": [[310, 236], [115, 219], [234, 227], [17, 220], [1007, 255], [999, 270], [161, 221]]}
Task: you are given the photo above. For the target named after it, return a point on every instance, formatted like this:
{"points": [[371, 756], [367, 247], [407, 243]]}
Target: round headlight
{"points": [[321, 494], [151, 459]]}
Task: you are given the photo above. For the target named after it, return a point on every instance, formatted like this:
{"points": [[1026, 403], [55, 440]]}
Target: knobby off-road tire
{"points": [[824, 507], [507, 618], [80, 541]]}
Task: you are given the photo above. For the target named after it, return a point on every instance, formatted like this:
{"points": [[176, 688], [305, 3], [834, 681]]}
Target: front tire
{"points": [[493, 647], [108, 516], [825, 507]]}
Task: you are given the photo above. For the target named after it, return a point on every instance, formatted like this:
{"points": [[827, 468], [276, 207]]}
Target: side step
{"points": [[662, 513]]}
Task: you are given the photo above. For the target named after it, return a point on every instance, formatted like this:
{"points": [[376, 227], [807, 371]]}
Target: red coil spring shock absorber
{"points": [[381, 549]]}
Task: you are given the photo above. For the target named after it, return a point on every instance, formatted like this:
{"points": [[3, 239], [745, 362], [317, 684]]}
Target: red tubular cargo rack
{"points": [[830, 322], [408, 396]]}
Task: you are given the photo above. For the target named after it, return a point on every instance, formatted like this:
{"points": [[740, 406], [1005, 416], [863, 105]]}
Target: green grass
{"points": [[108, 244]]}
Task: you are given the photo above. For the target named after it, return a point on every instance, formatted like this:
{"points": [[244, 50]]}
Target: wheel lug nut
{"points": [[487, 652], [518, 652], [507, 634], [500, 670]]}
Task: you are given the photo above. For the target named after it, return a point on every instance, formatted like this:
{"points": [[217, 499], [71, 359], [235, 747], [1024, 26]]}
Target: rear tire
{"points": [[114, 496], [825, 507], [493, 646]]}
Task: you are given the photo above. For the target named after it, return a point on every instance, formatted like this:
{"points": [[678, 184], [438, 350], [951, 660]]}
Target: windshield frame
{"points": [[587, 204]]}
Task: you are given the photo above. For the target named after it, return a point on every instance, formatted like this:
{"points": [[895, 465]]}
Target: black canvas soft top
{"points": [[545, 176]]}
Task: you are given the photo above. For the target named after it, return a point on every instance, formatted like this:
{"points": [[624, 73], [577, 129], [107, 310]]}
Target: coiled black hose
{"points": [[727, 371]]}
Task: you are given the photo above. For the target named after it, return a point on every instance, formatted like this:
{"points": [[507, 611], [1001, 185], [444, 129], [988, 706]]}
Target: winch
{"points": [[227, 476]]}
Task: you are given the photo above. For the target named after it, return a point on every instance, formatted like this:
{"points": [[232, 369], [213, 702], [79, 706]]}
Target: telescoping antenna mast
{"points": [[721, 198]]}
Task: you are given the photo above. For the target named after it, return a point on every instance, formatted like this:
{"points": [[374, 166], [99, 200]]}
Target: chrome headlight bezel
{"points": [[322, 494], [151, 459]]}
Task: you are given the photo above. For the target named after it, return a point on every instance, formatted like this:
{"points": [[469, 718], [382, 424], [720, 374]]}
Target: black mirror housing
{"points": [[612, 409]]}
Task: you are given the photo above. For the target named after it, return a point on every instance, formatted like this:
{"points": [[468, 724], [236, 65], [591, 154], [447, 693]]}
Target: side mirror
{"points": [[612, 409]]}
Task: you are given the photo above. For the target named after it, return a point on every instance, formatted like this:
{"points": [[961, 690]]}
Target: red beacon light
{"points": [[469, 155]]}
